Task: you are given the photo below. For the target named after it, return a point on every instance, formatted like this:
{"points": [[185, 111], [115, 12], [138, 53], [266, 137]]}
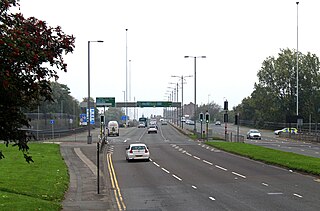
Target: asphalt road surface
{"points": [[188, 175]]}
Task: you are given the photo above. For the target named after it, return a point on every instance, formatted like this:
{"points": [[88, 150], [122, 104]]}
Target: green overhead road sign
{"points": [[105, 101], [154, 103]]}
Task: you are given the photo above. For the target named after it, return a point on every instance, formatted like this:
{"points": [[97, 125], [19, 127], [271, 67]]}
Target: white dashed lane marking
{"points": [[297, 195], [165, 170], [239, 175], [178, 178], [219, 167]]}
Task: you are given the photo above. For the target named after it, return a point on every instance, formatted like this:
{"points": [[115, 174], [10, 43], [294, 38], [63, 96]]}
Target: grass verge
{"points": [[36, 186], [301, 163]]}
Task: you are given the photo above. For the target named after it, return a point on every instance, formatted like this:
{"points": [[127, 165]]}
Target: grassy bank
{"points": [[36, 186], [288, 160]]}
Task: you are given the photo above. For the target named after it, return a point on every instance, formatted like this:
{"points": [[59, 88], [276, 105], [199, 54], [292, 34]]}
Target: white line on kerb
{"points": [[207, 162], [211, 198], [196, 157], [297, 195], [194, 187], [219, 167], [178, 178], [156, 164], [165, 170], [235, 173]]}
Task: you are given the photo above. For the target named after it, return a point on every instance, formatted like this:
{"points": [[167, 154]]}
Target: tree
{"points": [[30, 55], [274, 97]]}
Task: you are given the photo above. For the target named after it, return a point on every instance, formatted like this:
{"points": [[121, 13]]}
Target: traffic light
{"points": [[207, 117], [102, 119], [201, 117], [225, 105], [225, 117]]}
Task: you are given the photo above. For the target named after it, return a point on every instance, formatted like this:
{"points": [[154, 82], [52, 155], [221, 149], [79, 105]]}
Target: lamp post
{"points": [[89, 138], [182, 82], [195, 89], [297, 64], [176, 99], [172, 100], [126, 78]]}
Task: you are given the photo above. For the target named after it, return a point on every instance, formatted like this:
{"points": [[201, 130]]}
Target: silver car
{"points": [[254, 134]]}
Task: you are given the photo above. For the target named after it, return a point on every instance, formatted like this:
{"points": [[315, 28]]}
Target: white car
{"points": [[137, 151], [254, 134], [152, 129], [141, 125]]}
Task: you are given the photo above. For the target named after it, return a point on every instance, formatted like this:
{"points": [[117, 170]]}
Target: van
{"points": [[113, 128]]}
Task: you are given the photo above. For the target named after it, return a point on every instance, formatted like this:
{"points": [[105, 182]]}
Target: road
{"points": [[187, 175], [268, 139]]}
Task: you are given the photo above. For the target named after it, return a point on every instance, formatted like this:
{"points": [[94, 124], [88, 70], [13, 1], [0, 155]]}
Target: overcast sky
{"points": [[235, 36]]}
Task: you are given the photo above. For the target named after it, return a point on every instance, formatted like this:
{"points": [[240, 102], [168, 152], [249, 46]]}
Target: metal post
{"points": [[297, 65], [181, 102], [126, 80], [195, 96], [98, 165], [89, 139]]}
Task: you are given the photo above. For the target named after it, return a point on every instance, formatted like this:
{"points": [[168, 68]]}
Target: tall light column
{"points": [[297, 63], [126, 79], [195, 90], [89, 138], [182, 82]]}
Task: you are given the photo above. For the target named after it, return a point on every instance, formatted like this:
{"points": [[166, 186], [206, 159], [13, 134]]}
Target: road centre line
{"points": [[235, 173], [211, 198], [196, 157], [156, 164], [265, 184], [219, 167], [165, 170], [178, 178], [279, 193], [207, 162], [194, 187], [297, 195]]}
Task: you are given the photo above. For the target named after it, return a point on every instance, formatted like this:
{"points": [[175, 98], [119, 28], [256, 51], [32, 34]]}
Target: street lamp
{"points": [[172, 100], [89, 138], [195, 89], [126, 78], [297, 65], [182, 105]]}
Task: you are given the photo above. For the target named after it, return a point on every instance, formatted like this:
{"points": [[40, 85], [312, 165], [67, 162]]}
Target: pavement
{"points": [[81, 159]]}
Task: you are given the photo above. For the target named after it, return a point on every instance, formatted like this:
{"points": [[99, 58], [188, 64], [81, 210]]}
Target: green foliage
{"points": [[274, 96], [35, 186], [30, 54]]}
